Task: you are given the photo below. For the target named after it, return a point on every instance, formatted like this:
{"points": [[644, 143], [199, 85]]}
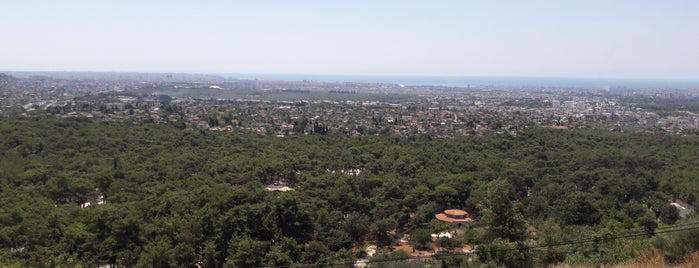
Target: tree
{"points": [[551, 234], [178, 198], [502, 253], [338, 239], [424, 214], [356, 225], [669, 214], [502, 219], [76, 238], [246, 252], [316, 252], [156, 255], [420, 238], [649, 223], [291, 218], [446, 196], [446, 242], [210, 255], [578, 208], [380, 231]]}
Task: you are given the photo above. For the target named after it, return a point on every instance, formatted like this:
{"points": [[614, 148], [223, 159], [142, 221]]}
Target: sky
{"points": [[536, 38]]}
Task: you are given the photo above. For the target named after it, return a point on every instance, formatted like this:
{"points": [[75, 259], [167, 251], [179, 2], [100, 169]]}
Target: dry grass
{"points": [[692, 261], [648, 261], [653, 260]]}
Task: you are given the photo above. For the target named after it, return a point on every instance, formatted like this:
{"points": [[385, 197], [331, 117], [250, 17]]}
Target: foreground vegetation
{"points": [[183, 197]]}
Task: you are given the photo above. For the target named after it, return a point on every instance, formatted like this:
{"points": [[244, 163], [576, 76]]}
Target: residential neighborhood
{"points": [[282, 108]]}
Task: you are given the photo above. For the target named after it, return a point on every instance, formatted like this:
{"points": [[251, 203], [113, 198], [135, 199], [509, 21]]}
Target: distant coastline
{"points": [[446, 81], [465, 81]]}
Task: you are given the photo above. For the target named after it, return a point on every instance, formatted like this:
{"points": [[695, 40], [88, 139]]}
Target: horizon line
{"points": [[367, 75]]}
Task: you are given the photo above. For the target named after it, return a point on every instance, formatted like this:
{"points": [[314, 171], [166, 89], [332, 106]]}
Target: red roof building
{"points": [[454, 216]]}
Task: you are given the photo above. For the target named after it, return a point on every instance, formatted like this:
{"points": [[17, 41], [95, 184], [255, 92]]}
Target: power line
{"points": [[628, 234]]}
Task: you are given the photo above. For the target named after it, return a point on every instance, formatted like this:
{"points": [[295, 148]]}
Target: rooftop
{"points": [[454, 215]]}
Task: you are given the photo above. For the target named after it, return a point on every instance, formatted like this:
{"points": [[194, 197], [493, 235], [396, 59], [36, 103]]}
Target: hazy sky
{"points": [[556, 38]]}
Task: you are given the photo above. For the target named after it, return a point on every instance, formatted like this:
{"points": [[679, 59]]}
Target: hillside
{"points": [[80, 192]]}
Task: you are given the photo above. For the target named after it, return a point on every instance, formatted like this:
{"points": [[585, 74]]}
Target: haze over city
{"points": [[577, 39]]}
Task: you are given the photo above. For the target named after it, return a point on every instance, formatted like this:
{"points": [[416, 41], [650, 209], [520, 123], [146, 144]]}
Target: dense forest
{"points": [[160, 196]]}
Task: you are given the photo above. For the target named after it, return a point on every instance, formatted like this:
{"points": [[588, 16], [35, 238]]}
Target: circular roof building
{"points": [[454, 216]]}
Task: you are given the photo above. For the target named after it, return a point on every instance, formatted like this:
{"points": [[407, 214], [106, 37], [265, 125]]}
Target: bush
{"points": [[676, 246]]}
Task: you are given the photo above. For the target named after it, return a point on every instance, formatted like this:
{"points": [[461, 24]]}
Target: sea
{"points": [[472, 81]]}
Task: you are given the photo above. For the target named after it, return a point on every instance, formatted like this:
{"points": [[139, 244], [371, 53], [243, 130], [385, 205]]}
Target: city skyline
{"points": [[578, 39]]}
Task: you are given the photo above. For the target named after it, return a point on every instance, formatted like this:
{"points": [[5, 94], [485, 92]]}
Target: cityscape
{"points": [[282, 108]]}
